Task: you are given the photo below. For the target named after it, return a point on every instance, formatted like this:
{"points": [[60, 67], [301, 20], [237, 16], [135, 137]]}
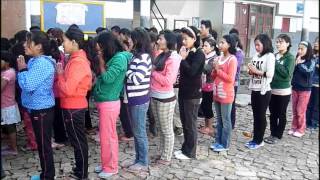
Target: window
{"points": [[285, 25]]}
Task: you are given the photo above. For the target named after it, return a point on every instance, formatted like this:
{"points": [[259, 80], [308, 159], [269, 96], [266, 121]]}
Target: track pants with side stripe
{"points": [[74, 120]]}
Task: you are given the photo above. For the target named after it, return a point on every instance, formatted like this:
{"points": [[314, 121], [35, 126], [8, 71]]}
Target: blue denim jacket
{"points": [[315, 77], [36, 83]]}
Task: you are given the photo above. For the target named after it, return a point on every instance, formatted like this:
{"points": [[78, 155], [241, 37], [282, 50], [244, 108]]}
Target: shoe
{"points": [[290, 132], [253, 145], [177, 152], [297, 134], [178, 131], [91, 131], [214, 145], [9, 152], [219, 148], [163, 162], [247, 144], [105, 175], [35, 177], [182, 157], [137, 168], [124, 138], [271, 140], [98, 169], [74, 176]]}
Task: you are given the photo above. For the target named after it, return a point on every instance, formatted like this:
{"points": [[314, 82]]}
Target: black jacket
{"points": [[190, 75]]}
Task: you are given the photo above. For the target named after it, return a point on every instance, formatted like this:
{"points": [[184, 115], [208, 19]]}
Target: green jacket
{"points": [[283, 72], [109, 84]]}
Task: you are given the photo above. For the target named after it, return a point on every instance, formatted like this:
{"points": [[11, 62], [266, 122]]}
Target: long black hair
{"points": [[266, 42], [9, 58], [49, 47], [237, 39], [141, 42], [76, 34], [232, 43], [309, 55], [109, 44], [161, 59], [213, 44]]}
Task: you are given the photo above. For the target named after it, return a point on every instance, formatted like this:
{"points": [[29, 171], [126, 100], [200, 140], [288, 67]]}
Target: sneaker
{"points": [[28, 148], [255, 145], [271, 140], [124, 138], [248, 143], [219, 148], [297, 134], [177, 152], [137, 168], [98, 169], [35, 177], [290, 132], [106, 175], [214, 145], [182, 157]]}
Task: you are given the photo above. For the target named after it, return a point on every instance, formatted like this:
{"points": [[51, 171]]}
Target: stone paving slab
{"points": [[291, 158]]}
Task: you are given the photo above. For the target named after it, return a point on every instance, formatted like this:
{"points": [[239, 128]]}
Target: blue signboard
{"points": [[61, 13], [300, 8]]}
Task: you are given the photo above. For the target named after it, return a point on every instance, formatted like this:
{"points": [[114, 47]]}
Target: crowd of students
{"points": [[137, 75]]}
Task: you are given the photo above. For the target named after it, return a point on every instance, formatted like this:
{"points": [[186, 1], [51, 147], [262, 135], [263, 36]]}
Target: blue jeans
{"points": [[224, 126], [137, 118]]}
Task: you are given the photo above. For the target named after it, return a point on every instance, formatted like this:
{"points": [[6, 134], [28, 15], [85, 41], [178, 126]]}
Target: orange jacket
{"points": [[75, 82]]}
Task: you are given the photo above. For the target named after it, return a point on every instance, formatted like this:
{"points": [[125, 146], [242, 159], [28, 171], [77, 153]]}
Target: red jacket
{"points": [[75, 82]]}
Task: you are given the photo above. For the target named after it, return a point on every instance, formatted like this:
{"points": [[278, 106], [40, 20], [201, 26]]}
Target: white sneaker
{"points": [[297, 134], [98, 169], [182, 157], [177, 152], [290, 132]]}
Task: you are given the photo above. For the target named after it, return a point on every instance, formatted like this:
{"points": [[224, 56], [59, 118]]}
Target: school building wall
{"points": [[12, 17]]}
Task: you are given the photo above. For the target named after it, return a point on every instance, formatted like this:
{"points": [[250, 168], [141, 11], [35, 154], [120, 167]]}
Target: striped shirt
{"points": [[138, 80]]}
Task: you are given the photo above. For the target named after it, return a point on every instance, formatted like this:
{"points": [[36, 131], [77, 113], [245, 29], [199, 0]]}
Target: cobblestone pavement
{"points": [[291, 158]]}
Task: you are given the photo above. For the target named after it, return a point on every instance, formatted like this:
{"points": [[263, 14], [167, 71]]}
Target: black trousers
{"points": [[74, 122], [124, 118], [188, 114], [88, 123], [152, 123], [259, 105], [278, 114], [42, 122], [59, 131], [206, 104], [233, 110]]}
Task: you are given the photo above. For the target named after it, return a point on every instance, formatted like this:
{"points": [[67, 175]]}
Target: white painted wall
{"points": [[229, 12], [177, 10], [122, 10]]}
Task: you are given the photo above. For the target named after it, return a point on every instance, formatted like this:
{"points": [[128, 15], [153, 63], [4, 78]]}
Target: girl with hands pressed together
{"points": [[223, 74]]}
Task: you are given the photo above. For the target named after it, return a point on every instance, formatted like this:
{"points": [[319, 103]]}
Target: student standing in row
{"points": [[73, 87], [36, 82], [191, 68], [313, 106], [224, 72], [113, 62], [164, 74], [211, 52], [261, 70], [281, 88], [301, 88], [137, 91]]}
